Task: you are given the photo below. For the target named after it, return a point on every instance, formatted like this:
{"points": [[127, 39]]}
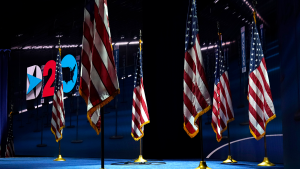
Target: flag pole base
{"points": [[203, 165], [140, 160], [229, 160], [59, 158], [266, 162]]}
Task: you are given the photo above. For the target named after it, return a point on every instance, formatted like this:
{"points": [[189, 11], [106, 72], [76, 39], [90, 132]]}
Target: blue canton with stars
{"points": [[256, 52], [221, 64], [191, 26], [138, 74], [58, 74]]}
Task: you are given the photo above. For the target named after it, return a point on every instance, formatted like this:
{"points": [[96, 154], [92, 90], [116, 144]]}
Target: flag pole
{"points": [[59, 158], [229, 158], [102, 137], [202, 164], [140, 159], [266, 161]]}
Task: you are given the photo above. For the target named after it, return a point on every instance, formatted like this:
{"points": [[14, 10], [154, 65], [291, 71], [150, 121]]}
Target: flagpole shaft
{"points": [[141, 146], [102, 137], [229, 152], [59, 147], [265, 140], [201, 138]]}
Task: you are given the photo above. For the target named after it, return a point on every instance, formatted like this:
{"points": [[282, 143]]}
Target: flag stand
{"points": [[116, 131], [59, 158], [266, 161], [102, 137], [71, 105], [140, 160], [202, 164], [229, 158], [42, 145], [37, 117], [77, 141]]}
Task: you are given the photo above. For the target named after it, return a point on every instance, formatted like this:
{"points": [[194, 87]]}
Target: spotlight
{"points": [[239, 16], [122, 37], [135, 37], [216, 1], [226, 7], [59, 36]]}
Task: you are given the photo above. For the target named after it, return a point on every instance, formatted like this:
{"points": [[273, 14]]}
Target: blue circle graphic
{"points": [[70, 62]]}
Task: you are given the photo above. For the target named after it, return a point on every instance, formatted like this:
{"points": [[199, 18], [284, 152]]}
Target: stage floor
{"points": [[94, 163]]}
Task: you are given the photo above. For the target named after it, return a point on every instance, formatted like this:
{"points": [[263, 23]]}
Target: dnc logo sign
{"points": [[34, 78]]}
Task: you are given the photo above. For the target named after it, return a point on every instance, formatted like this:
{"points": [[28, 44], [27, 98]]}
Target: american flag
{"points": [[58, 109], [261, 107], [196, 98], [222, 111], [10, 150], [140, 116], [98, 79]]}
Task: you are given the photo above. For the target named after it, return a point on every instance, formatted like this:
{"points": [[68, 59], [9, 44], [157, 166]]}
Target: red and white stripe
{"points": [[222, 111], [99, 81], [140, 116], [86, 55], [58, 114], [196, 98], [261, 107]]}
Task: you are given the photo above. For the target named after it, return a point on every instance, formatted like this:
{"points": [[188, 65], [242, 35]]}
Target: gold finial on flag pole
{"points": [[59, 49], [140, 41], [254, 12]]}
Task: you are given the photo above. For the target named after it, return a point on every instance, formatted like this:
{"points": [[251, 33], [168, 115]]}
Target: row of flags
{"points": [[196, 99], [99, 82]]}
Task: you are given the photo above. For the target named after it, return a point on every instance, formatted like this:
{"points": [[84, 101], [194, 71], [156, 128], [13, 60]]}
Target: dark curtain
{"points": [[4, 57]]}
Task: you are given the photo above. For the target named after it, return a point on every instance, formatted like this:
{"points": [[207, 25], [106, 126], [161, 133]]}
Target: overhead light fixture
{"points": [[243, 19], [19, 35], [233, 13], [37, 47], [205, 48], [27, 47], [226, 7], [203, 43], [122, 43], [239, 16], [135, 37], [67, 46], [133, 42], [210, 47], [129, 75], [216, 1], [59, 36], [122, 37], [47, 47]]}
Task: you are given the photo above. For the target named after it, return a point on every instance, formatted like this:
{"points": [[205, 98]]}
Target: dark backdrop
{"points": [[289, 38]]}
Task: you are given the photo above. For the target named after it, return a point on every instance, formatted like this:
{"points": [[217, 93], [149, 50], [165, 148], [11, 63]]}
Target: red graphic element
{"points": [[48, 90]]}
